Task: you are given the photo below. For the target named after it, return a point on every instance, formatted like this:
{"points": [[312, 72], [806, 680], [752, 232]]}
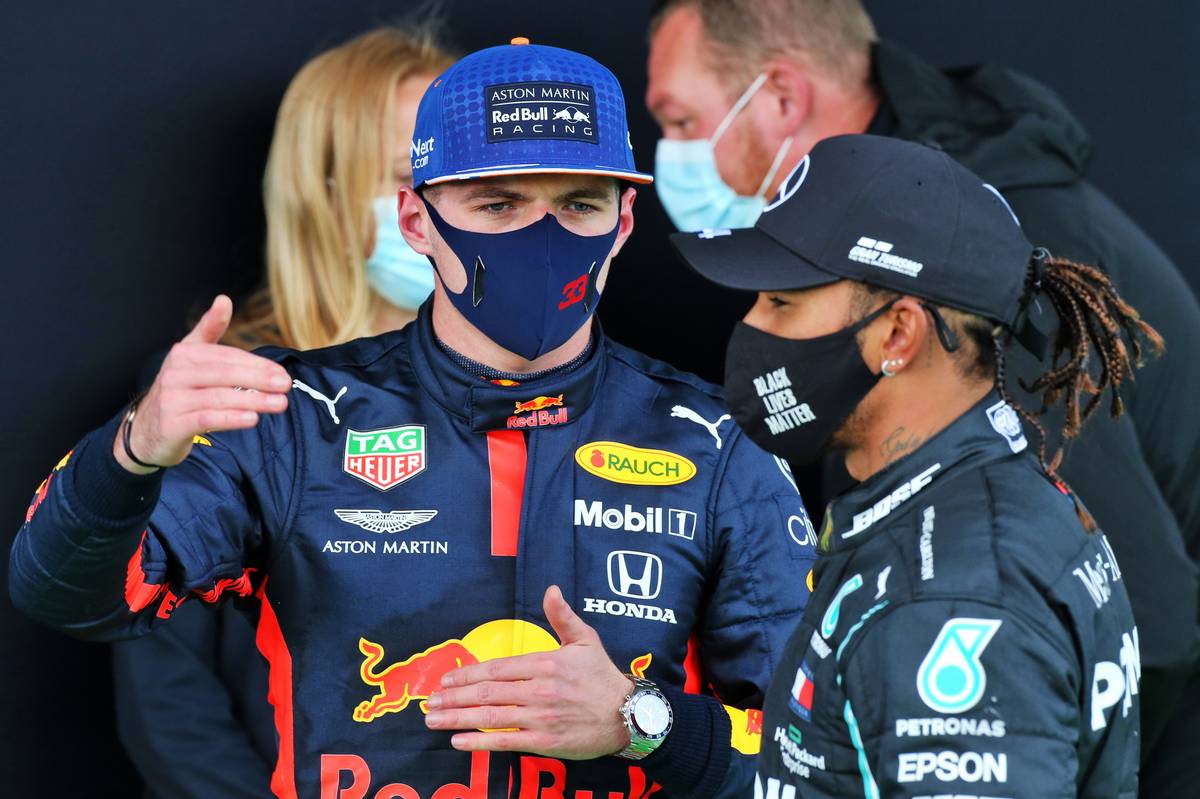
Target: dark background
{"points": [[132, 142]]}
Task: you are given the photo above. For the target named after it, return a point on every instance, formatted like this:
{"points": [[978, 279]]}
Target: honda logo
{"points": [[636, 575]]}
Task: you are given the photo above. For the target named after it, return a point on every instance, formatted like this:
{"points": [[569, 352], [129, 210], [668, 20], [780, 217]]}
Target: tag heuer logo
{"points": [[385, 458]]}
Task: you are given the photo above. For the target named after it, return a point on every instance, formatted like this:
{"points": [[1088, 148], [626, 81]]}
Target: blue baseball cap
{"points": [[521, 109]]}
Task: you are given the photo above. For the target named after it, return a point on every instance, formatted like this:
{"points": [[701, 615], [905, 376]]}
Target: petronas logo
{"points": [[951, 678]]}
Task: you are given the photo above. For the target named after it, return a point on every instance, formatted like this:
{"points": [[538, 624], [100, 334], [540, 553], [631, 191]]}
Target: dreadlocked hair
{"points": [[1092, 318]]}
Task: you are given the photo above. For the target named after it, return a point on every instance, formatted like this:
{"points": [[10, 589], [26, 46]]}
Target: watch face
{"points": [[651, 714]]}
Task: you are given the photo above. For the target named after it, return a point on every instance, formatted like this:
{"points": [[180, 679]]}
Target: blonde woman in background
{"points": [[191, 699], [339, 156]]}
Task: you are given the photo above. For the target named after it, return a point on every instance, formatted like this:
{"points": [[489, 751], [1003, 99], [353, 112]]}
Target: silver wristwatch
{"points": [[648, 717]]}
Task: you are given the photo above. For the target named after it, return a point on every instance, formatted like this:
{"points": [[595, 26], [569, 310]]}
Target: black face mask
{"points": [[791, 395]]}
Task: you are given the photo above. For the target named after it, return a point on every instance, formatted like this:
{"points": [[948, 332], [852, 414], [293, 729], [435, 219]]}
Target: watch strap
{"points": [[639, 746]]}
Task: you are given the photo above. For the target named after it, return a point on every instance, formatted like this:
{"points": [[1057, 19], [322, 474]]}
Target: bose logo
{"points": [[890, 502], [636, 575]]}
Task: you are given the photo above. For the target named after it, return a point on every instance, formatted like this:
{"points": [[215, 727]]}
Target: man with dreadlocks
{"points": [[969, 632]]}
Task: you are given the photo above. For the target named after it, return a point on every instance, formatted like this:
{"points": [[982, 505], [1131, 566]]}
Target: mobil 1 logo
{"points": [[680, 523], [541, 110]]}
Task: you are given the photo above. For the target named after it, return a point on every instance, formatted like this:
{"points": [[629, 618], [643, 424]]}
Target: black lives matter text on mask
{"points": [[541, 110], [784, 411]]}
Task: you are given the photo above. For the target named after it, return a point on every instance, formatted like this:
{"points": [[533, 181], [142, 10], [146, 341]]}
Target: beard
{"points": [[853, 432]]}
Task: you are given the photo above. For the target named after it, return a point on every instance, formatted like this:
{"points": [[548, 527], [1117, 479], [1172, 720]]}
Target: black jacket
{"points": [[966, 636], [1137, 474], [192, 709]]}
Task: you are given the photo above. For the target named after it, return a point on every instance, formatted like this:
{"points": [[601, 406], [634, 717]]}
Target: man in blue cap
{"points": [[969, 632], [409, 526]]}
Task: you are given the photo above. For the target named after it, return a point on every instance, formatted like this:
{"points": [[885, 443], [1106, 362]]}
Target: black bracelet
{"points": [[126, 430]]}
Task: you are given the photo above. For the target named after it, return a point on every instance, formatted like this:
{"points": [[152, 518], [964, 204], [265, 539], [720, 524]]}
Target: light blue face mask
{"points": [[399, 273], [690, 187]]}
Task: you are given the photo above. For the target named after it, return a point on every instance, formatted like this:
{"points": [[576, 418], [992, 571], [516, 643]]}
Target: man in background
{"points": [[743, 90]]}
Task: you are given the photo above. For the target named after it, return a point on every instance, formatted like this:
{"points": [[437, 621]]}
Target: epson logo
{"points": [[889, 503], [954, 766], [680, 523], [611, 607]]}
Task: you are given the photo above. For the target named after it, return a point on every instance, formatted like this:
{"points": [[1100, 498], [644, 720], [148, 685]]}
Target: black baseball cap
{"points": [[877, 210]]}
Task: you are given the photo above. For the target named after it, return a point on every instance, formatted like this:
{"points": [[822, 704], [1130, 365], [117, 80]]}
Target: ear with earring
{"points": [[890, 366]]}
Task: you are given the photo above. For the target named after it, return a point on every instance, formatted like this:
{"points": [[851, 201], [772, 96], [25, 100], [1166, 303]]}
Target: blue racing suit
{"points": [[403, 517]]}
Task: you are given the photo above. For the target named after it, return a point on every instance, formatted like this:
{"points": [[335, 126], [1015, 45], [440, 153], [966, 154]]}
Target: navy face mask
{"points": [[530, 289]]}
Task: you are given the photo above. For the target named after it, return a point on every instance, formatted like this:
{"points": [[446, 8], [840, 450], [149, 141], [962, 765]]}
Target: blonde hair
{"points": [[326, 161]]}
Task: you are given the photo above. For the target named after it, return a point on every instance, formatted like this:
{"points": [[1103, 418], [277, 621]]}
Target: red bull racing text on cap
{"points": [[523, 109]]}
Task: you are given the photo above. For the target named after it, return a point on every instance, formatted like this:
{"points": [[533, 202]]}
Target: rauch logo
{"points": [[622, 463]]}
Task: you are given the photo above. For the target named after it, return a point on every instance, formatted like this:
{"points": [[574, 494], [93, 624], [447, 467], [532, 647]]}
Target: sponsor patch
{"points": [[873, 252], [1099, 574], [634, 576], [385, 521], [791, 184], [794, 756], [679, 523], [801, 698], [713, 428], [39, 496], [833, 613], [420, 150], [633, 610], [539, 412], [541, 110], [951, 678], [925, 542], [953, 726], [889, 502], [330, 403], [817, 643], [801, 530], [1114, 682], [951, 766], [385, 458], [1006, 422], [623, 463]]}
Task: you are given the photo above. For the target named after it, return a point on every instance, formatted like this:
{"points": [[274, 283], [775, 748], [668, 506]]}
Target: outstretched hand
{"points": [[202, 387], [562, 703]]}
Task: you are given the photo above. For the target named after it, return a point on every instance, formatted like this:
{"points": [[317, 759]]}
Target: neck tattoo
{"points": [[899, 443]]}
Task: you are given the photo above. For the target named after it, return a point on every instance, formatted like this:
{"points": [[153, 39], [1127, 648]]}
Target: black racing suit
{"points": [[1137, 473], [966, 637]]}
